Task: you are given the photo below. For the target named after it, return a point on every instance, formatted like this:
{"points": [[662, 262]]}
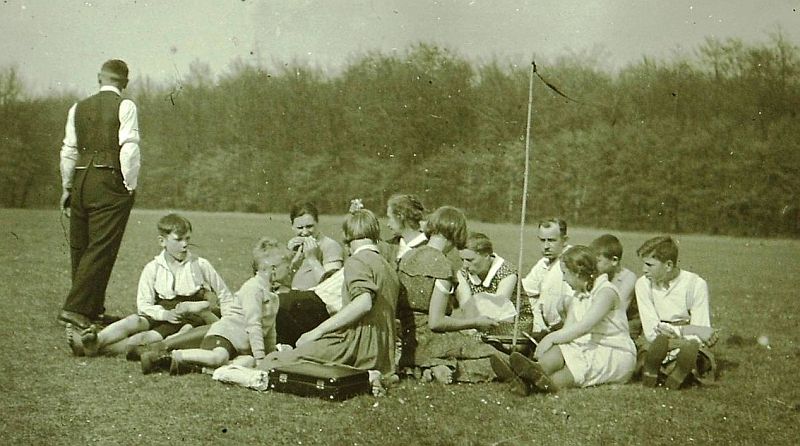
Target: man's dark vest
{"points": [[97, 130]]}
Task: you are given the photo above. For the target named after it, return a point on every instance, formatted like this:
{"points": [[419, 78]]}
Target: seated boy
{"points": [[609, 256], [171, 295], [247, 326], [674, 309]]}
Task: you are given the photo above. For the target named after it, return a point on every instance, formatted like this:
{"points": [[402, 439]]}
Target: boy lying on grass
{"points": [[246, 328], [171, 296]]}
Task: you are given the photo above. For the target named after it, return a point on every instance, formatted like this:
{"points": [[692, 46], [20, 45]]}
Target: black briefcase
{"points": [[327, 381]]}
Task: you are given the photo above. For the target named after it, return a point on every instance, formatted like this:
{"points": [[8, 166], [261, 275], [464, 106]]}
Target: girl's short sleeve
{"points": [[359, 278]]}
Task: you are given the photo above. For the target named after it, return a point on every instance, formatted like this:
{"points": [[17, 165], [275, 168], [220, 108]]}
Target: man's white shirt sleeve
{"points": [[129, 155], [69, 150]]}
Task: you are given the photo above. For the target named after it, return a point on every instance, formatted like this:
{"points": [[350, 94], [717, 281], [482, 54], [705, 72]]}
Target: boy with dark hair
{"points": [[609, 255], [676, 321], [171, 294]]}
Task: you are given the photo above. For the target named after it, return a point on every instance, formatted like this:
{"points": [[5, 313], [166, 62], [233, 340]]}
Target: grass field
{"points": [[50, 397]]}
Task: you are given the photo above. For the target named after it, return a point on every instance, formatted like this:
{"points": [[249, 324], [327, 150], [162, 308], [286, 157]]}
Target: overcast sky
{"points": [[58, 45]]}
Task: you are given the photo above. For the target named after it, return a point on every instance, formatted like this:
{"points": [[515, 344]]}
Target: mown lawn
{"points": [[48, 396]]}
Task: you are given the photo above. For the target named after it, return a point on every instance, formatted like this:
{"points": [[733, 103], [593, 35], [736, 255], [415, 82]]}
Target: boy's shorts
{"points": [[165, 328], [214, 341]]}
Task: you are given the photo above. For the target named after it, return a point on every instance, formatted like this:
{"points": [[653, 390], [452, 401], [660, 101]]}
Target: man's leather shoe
{"points": [[76, 319], [104, 320]]}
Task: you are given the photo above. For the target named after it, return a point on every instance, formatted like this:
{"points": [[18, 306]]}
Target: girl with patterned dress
{"points": [[486, 285], [594, 346], [432, 339]]}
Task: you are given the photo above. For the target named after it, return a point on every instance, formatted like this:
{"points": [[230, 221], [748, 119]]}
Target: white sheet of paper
{"points": [[495, 307]]}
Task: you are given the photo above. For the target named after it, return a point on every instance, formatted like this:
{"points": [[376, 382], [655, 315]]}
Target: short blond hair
{"points": [[268, 249]]}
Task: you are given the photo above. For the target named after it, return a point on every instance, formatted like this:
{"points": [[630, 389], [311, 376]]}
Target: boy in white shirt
{"points": [[674, 309], [171, 294], [247, 330]]}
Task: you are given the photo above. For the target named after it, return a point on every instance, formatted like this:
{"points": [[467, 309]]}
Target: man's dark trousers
{"points": [[99, 209]]}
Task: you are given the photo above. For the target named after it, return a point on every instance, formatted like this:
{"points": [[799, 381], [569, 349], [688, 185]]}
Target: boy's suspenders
{"points": [[197, 274]]}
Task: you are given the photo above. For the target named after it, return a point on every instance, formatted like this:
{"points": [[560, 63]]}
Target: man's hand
{"points": [[65, 199], [311, 248]]}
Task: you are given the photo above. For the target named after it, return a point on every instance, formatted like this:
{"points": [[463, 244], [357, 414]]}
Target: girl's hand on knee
{"points": [[544, 345], [309, 336]]}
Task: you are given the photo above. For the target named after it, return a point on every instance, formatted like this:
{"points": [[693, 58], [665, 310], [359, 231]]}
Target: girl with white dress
{"points": [[594, 347]]}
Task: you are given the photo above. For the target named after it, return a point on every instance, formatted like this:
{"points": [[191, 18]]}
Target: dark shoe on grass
{"points": [[531, 372], [104, 320], [178, 367], [502, 369], [77, 320], [649, 380], [153, 361], [74, 340], [135, 354], [654, 355], [506, 374], [684, 363]]}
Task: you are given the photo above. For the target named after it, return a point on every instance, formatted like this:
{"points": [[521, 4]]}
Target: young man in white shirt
{"points": [[544, 284], [674, 310]]}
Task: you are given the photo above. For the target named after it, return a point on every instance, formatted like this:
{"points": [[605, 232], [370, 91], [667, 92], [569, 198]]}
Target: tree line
{"points": [[708, 143]]}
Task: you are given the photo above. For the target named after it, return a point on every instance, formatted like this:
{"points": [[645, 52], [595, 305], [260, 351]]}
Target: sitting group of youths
{"points": [[421, 305]]}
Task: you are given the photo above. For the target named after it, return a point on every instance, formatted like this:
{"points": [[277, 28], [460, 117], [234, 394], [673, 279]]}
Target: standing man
{"points": [[545, 284], [99, 171]]}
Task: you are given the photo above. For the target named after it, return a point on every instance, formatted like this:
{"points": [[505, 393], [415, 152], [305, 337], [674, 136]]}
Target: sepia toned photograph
{"points": [[382, 222]]}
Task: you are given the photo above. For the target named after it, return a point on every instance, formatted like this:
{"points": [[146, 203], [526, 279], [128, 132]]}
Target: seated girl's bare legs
{"points": [[553, 365], [562, 379], [552, 360]]}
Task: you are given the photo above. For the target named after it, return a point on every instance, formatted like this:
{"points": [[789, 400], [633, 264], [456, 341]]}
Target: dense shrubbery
{"points": [[703, 145]]}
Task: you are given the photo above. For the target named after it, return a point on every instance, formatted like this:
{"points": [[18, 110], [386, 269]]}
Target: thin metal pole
{"points": [[524, 203]]}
